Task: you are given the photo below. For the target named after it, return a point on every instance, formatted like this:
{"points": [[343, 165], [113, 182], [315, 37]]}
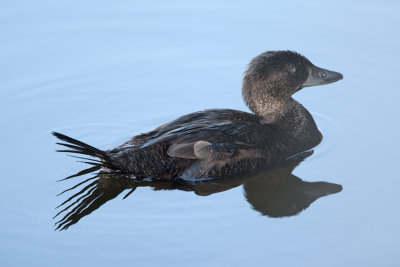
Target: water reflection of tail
{"points": [[275, 192]]}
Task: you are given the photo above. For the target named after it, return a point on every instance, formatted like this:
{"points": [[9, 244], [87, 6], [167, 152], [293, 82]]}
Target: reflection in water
{"points": [[275, 192]]}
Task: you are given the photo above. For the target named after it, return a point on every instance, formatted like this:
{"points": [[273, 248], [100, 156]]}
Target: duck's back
{"points": [[214, 125]]}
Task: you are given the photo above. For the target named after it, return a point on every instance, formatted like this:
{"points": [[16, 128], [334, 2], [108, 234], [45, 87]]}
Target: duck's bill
{"points": [[319, 76]]}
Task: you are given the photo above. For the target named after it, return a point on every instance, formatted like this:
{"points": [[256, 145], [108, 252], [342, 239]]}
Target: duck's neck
{"points": [[268, 106], [292, 117], [272, 111], [294, 120]]}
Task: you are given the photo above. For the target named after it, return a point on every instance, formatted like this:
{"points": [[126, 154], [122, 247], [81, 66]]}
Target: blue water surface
{"points": [[103, 71]]}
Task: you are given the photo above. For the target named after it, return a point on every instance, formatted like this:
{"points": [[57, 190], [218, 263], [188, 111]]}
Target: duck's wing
{"points": [[215, 142], [208, 140], [208, 131], [209, 125]]}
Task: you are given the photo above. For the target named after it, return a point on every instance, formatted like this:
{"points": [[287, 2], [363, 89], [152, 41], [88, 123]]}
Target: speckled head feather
{"points": [[271, 79]]}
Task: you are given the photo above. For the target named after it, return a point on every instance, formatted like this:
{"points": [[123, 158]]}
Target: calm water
{"points": [[104, 71]]}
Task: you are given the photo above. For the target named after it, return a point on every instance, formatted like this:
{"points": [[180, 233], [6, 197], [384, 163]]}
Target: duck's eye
{"points": [[293, 69], [323, 74]]}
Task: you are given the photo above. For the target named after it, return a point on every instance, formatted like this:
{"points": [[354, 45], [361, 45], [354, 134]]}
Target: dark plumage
{"points": [[225, 142]]}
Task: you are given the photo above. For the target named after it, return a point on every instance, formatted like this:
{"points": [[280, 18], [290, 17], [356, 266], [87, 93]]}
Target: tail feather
{"points": [[93, 160], [83, 172], [79, 147]]}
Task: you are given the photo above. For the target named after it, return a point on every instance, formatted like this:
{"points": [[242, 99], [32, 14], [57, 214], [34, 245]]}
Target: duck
{"points": [[224, 142]]}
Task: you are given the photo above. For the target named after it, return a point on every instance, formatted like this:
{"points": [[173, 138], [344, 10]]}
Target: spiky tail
{"points": [[78, 147]]}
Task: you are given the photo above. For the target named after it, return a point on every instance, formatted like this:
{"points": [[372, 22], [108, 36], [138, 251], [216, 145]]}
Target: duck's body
{"points": [[225, 142], [237, 143]]}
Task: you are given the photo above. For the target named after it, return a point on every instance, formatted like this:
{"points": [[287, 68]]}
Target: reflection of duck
{"points": [[279, 193], [223, 142], [275, 192]]}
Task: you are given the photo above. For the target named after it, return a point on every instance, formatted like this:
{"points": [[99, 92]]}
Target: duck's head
{"points": [[273, 77]]}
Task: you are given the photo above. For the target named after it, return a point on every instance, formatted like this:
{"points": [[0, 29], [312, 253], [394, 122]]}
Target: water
{"points": [[103, 72]]}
